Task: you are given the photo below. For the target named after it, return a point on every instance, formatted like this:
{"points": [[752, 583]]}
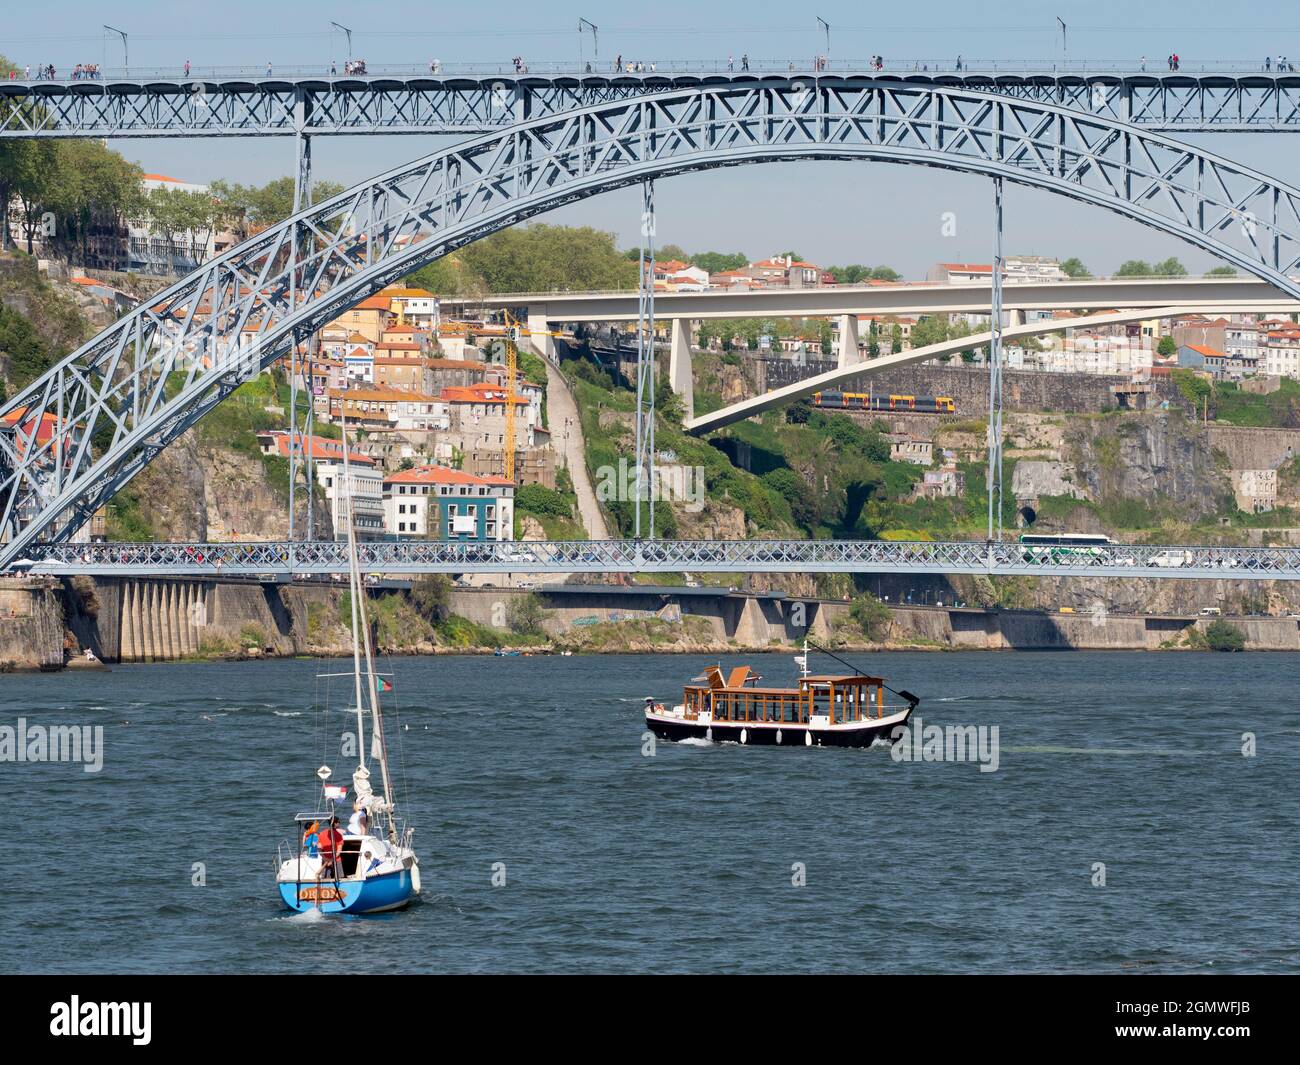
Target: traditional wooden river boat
{"points": [[824, 710]]}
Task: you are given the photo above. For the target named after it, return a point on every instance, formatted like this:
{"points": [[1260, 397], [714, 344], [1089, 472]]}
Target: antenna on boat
{"points": [[913, 699], [802, 660]]}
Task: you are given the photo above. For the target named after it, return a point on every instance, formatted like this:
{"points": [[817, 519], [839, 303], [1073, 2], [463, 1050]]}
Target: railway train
{"points": [[833, 400]]}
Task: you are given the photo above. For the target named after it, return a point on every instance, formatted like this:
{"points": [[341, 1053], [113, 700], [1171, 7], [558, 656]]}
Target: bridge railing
{"points": [[644, 67], [665, 556]]}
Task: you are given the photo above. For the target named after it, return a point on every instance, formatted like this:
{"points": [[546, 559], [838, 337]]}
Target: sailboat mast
{"points": [[361, 627], [354, 594]]}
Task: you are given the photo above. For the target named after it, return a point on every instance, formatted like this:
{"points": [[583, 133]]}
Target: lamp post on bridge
{"points": [[347, 33], [827, 27], [595, 42], [126, 55]]}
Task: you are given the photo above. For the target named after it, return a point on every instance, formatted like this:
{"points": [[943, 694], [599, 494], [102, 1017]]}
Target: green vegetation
{"points": [[1229, 402], [431, 596], [525, 615], [245, 206], [1222, 636], [1074, 267], [872, 617], [858, 274], [1170, 267], [529, 259], [126, 520]]}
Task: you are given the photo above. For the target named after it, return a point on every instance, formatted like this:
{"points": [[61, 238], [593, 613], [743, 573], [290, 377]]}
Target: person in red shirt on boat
{"points": [[330, 842]]}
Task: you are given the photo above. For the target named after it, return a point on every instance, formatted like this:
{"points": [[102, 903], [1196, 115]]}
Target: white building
{"points": [[151, 252], [366, 481], [438, 503]]}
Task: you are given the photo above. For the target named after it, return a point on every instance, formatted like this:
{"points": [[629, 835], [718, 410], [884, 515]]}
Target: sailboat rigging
{"points": [[371, 867]]}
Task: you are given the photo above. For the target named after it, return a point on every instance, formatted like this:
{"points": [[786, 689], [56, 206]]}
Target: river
{"points": [[710, 857]]}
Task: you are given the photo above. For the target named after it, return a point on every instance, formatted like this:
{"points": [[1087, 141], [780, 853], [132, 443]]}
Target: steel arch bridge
{"points": [[86, 427], [216, 104]]}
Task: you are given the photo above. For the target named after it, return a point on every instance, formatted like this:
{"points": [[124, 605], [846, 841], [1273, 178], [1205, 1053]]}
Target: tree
{"points": [[1221, 636], [525, 614], [1221, 271], [827, 338], [1167, 347], [1135, 268], [896, 339], [715, 262], [190, 215], [431, 596], [1170, 267], [872, 617], [246, 206], [798, 412], [1074, 267]]}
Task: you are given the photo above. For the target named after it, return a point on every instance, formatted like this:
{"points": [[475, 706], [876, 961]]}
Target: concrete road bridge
{"points": [[850, 369]]}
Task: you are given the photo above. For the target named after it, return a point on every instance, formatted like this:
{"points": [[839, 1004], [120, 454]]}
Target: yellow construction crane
{"points": [[513, 332], [512, 368]]}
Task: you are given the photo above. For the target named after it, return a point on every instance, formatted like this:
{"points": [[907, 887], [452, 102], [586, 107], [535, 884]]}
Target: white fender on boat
{"points": [[708, 733], [807, 739], [778, 735], [415, 878], [744, 735]]}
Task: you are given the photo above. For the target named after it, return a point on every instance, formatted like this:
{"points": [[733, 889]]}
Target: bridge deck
{"points": [[283, 559], [474, 98]]}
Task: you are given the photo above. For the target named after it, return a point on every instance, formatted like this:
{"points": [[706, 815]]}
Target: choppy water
{"points": [[615, 861]]}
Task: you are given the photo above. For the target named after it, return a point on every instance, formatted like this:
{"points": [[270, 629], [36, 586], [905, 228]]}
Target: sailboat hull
{"points": [[376, 894]]}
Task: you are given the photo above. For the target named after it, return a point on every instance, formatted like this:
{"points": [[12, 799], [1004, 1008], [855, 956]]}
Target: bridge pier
{"points": [[539, 332], [681, 377], [849, 353]]}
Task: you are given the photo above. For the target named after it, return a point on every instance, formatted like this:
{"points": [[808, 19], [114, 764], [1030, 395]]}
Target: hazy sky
{"points": [[829, 212]]}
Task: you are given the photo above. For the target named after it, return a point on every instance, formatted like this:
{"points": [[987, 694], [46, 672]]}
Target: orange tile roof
{"points": [[1208, 352], [479, 394], [321, 449], [442, 475]]}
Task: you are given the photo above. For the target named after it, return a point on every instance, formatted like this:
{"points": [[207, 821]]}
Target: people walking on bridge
{"points": [[435, 66], [1268, 64], [959, 64], [187, 68], [268, 68], [744, 62], [731, 64], [618, 62]]}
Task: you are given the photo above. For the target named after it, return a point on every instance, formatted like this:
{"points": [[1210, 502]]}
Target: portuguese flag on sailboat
{"points": [[385, 685]]}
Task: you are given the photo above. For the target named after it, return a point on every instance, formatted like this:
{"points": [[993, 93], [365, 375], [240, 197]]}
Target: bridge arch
{"points": [[131, 390]]}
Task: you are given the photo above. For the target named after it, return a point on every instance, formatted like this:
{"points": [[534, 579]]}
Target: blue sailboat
{"points": [[368, 866]]}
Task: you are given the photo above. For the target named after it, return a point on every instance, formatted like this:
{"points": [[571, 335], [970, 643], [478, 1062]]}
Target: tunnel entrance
{"points": [[1027, 515]]}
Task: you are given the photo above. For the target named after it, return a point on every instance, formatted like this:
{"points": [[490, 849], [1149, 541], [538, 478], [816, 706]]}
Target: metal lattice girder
{"points": [[477, 103], [130, 391], [666, 556]]}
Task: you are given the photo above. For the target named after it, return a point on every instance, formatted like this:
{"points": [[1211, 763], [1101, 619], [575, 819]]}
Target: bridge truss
{"points": [[85, 428], [408, 102], [664, 556]]}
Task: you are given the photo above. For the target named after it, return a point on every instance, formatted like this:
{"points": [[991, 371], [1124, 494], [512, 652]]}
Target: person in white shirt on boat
{"points": [[359, 822]]}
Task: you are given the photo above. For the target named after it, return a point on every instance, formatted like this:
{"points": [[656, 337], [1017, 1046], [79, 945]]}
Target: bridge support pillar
{"points": [[849, 354], [681, 374], [539, 333]]}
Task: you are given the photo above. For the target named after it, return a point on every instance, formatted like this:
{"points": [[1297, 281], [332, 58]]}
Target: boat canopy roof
{"points": [[742, 678]]}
